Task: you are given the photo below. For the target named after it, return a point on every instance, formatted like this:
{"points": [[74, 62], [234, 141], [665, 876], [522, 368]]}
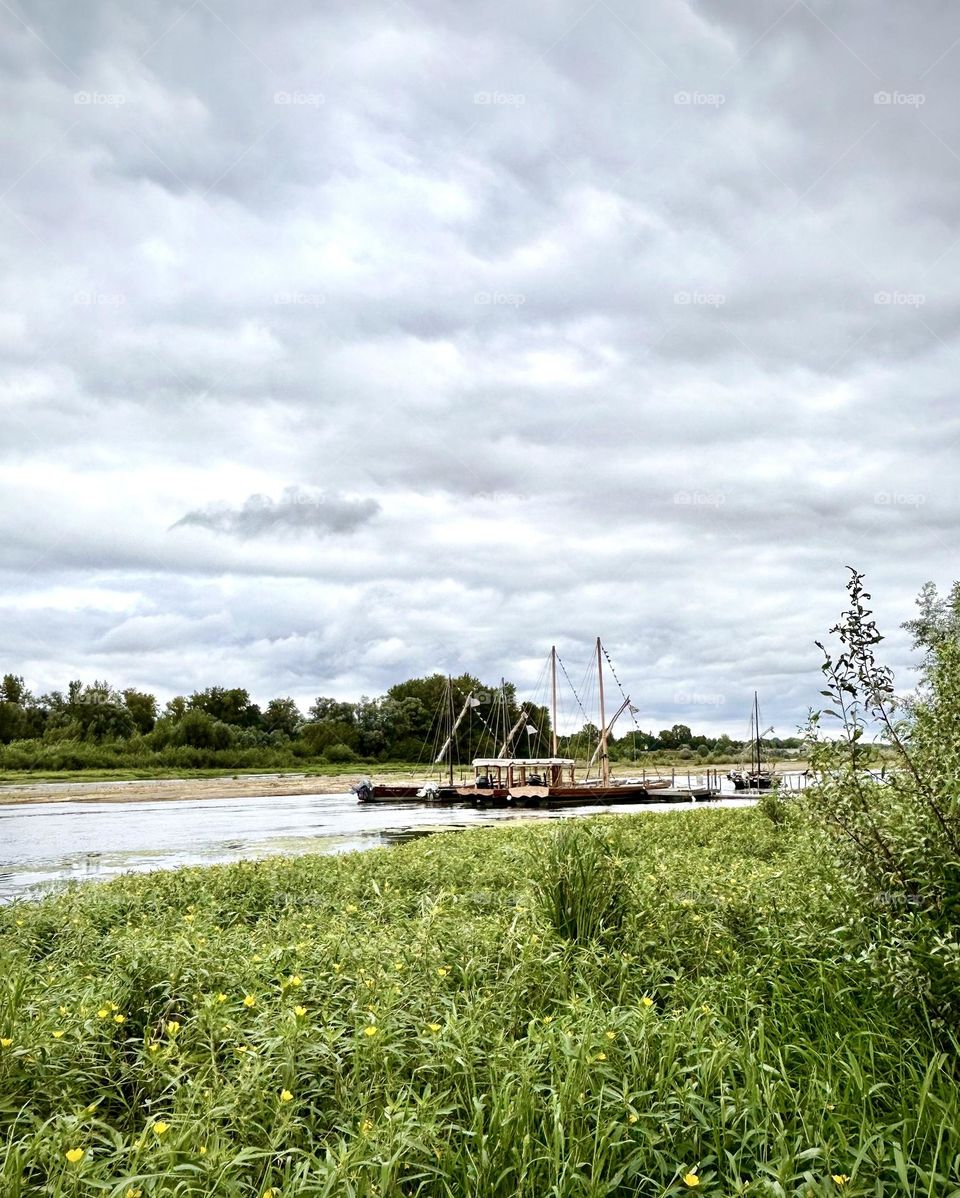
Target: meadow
{"points": [[652, 1004]]}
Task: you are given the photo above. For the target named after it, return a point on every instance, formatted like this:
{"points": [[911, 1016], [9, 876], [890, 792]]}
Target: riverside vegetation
{"points": [[758, 1002], [97, 727], [650, 1004]]}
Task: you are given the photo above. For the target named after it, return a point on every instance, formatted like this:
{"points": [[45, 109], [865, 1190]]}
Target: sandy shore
{"points": [[240, 787], [150, 789]]}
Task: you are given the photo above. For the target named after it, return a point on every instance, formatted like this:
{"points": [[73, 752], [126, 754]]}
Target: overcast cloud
{"points": [[349, 342]]}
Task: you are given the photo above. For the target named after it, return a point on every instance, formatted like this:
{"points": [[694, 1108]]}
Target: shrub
{"points": [[339, 754], [898, 834], [581, 886]]}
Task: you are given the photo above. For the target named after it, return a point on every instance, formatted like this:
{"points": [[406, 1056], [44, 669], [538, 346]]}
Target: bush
{"points": [[339, 754], [898, 834]]}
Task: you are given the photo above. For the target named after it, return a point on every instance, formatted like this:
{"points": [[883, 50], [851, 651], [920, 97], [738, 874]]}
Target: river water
{"points": [[45, 844]]}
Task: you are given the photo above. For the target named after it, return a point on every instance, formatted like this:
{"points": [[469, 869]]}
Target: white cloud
{"points": [[588, 358]]}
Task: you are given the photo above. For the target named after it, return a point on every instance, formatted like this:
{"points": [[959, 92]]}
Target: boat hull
{"points": [[595, 796]]}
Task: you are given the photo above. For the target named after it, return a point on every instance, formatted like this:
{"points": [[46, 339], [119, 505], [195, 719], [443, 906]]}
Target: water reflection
{"points": [[44, 844]]}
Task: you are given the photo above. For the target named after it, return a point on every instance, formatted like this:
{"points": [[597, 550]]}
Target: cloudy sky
{"points": [[347, 342]]}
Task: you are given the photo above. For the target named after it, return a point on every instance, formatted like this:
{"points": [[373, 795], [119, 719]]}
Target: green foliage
{"points": [[142, 708], [404, 725], [773, 806], [282, 715], [899, 834], [580, 883], [723, 1031], [339, 754]]}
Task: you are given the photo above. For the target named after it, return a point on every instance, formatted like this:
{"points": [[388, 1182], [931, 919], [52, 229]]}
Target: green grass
{"points": [[468, 1029]]}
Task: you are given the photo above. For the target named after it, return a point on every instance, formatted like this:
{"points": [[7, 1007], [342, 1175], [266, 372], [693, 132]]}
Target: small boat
{"points": [[443, 792], [757, 776], [366, 792]]}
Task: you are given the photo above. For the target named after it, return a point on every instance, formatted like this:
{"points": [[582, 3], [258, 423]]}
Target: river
{"points": [[45, 844]]}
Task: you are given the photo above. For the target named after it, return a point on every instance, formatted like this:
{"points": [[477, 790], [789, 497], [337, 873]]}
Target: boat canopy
{"points": [[490, 762]]}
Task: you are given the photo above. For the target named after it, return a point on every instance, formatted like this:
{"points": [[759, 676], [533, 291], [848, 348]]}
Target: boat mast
{"points": [[756, 727], [604, 760], [451, 724], [448, 743], [553, 700], [613, 719], [508, 739]]}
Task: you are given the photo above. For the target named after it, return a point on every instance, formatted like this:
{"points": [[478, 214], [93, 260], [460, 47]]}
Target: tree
{"points": [[282, 715], [13, 690], [229, 705], [325, 710], [142, 708]]}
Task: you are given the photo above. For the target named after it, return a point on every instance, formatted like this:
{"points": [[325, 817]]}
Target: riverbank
{"points": [[646, 1004], [77, 788], [160, 789]]}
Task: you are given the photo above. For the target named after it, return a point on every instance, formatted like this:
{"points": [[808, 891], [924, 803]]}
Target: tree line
{"points": [[100, 726]]}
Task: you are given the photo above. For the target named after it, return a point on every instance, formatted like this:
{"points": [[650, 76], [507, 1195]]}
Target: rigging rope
{"points": [[622, 691]]}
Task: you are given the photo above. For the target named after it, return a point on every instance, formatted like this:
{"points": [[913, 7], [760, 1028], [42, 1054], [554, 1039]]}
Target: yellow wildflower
{"points": [[5, 1042], [350, 908], [337, 968], [74, 1155], [601, 1056], [840, 1178], [366, 1125], [299, 1012], [611, 1035], [548, 1019], [172, 1027], [647, 1002], [434, 1027], [119, 1018], [113, 1006], [64, 1010], [131, 1193], [631, 1118], [58, 1035], [286, 1096], [221, 997], [202, 1150], [370, 1031], [102, 1013], [249, 1001], [691, 1179], [154, 1047], [296, 980], [441, 972], [160, 1128]]}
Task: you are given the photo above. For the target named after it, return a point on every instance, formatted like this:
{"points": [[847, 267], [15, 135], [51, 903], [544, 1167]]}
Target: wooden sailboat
{"points": [[557, 785], [758, 776]]}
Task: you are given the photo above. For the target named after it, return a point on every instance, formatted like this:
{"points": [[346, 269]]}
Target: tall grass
{"points": [[438, 1019]]}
